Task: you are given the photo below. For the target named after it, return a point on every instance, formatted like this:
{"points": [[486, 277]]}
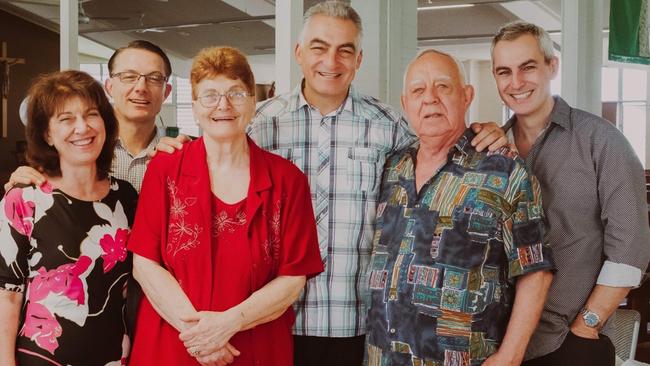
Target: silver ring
{"points": [[195, 352]]}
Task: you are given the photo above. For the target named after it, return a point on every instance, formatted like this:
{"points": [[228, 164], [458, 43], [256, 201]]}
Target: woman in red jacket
{"points": [[224, 236]]}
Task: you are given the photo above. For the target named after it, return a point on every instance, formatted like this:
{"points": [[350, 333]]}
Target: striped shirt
{"points": [[596, 214], [131, 168], [343, 155]]}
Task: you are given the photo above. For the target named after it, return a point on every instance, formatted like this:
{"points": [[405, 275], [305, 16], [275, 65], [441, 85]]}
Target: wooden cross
{"points": [[5, 63]]}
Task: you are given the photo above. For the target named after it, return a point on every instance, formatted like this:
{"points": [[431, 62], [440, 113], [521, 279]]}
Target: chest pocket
{"points": [[291, 154], [362, 169]]}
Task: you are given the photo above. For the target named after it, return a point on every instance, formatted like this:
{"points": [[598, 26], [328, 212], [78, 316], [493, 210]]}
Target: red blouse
{"points": [[220, 254]]}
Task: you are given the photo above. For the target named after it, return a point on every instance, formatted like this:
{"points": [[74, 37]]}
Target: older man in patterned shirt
{"points": [[459, 267]]}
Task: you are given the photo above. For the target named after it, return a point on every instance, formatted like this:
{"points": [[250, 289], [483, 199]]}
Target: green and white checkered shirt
{"points": [[343, 155]]}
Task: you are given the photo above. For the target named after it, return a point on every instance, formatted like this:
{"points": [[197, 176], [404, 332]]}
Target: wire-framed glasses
{"points": [[234, 97], [130, 77]]}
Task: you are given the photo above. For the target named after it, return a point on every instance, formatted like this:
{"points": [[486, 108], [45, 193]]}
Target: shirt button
{"points": [[392, 330], [392, 297]]}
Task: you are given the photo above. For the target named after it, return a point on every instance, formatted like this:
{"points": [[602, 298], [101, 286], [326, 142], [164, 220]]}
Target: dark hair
{"points": [[47, 96], [228, 61], [141, 44]]}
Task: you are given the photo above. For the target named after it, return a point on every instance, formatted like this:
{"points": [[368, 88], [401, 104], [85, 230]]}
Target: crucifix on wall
{"points": [[5, 63]]}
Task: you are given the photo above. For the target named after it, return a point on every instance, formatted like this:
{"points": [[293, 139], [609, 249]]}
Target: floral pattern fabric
{"points": [[68, 257]]}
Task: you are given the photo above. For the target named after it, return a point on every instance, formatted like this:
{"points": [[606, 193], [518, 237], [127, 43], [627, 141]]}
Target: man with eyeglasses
{"points": [[138, 86]]}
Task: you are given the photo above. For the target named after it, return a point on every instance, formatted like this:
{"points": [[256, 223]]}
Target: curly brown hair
{"points": [[46, 96]]}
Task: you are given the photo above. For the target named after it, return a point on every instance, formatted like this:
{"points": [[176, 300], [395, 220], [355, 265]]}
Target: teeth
{"points": [[139, 101], [522, 95], [329, 74], [83, 142]]}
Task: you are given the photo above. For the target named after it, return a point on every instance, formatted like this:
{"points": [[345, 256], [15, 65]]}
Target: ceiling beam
{"points": [[181, 25]]}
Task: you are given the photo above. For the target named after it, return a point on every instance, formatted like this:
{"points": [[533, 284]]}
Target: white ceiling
{"points": [[184, 27]]}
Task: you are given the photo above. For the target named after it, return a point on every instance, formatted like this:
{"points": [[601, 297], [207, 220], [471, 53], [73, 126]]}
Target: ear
{"points": [[194, 107], [297, 51], [47, 138], [168, 90], [555, 65], [359, 58], [469, 95], [108, 86], [402, 100]]}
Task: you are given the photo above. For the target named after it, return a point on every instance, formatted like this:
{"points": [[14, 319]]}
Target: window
{"points": [[624, 96], [184, 118]]}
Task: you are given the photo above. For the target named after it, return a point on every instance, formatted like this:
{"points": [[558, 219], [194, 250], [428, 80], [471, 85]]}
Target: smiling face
{"points": [[329, 56], [224, 121], [523, 77], [434, 98], [139, 102], [76, 131]]}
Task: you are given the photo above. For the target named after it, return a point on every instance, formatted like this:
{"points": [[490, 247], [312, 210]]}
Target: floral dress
{"points": [[68, 257]]}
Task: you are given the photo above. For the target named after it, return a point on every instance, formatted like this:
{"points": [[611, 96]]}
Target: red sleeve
{"points": [[299, 254], [145, 238]]}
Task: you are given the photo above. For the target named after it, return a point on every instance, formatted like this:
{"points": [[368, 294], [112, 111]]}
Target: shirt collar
{"points": [[560, 115], [260, 178], [463, 146], [297, 100], [160, 132]]}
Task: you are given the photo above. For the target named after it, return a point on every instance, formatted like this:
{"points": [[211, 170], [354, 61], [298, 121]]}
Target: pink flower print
{"points": [[46, 187], [63, 280], [41, 326], [19, 212], [114, 248]]}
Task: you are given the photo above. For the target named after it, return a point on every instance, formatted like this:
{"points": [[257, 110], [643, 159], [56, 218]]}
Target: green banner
{"points": [[628, 31]]}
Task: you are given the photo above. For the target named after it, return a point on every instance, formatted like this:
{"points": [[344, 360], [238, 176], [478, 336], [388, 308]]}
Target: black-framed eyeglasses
{"points": [[130, 77], [234, 97]]}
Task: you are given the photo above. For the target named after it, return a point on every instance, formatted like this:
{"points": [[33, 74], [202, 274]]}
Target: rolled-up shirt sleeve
{"points": [[624, 212]]}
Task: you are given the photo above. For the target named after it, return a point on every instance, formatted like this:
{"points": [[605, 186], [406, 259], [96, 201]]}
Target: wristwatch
{"points": [[592, 320]]}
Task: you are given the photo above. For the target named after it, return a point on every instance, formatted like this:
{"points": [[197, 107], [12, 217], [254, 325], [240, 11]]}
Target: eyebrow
{"points": [[344, 45], [525, 63]]}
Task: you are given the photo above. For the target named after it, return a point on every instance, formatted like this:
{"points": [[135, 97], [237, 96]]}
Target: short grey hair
{"points": [[334, 9], [459, 65], [516, 29]]}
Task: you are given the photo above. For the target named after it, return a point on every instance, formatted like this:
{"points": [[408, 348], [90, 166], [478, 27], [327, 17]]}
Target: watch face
{"points": [[591, 319]]}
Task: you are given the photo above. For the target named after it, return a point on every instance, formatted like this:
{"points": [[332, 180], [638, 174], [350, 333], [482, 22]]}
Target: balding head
{"points": [[435, 97]]}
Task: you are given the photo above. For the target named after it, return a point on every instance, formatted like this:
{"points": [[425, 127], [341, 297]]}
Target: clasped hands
{"points": [[206, 336]]}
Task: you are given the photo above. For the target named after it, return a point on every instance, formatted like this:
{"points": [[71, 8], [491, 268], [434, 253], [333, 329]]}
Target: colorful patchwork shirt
{"points": [[445, 259]]}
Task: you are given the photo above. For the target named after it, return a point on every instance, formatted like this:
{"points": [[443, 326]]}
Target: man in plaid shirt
{"points": [[340, 139]]}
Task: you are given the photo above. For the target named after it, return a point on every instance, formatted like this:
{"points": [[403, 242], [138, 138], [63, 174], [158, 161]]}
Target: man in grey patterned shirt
{"points": [[593, 191], [138, 86]]}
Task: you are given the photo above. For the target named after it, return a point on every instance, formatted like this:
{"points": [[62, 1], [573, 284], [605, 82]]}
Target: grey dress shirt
{"points": [[593, 190]]}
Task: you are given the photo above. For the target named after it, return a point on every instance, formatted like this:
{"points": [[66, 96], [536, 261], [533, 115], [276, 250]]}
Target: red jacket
{"points": [[173, 227]]}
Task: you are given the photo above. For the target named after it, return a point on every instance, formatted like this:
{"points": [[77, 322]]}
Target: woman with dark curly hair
{"points": [[63, 260]]}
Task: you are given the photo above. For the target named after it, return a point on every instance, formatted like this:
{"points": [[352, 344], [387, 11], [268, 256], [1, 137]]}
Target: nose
{"points": [[517, 80], [330, 58], [80, 124], [223, 102], [141, 83], [431, 95]]}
